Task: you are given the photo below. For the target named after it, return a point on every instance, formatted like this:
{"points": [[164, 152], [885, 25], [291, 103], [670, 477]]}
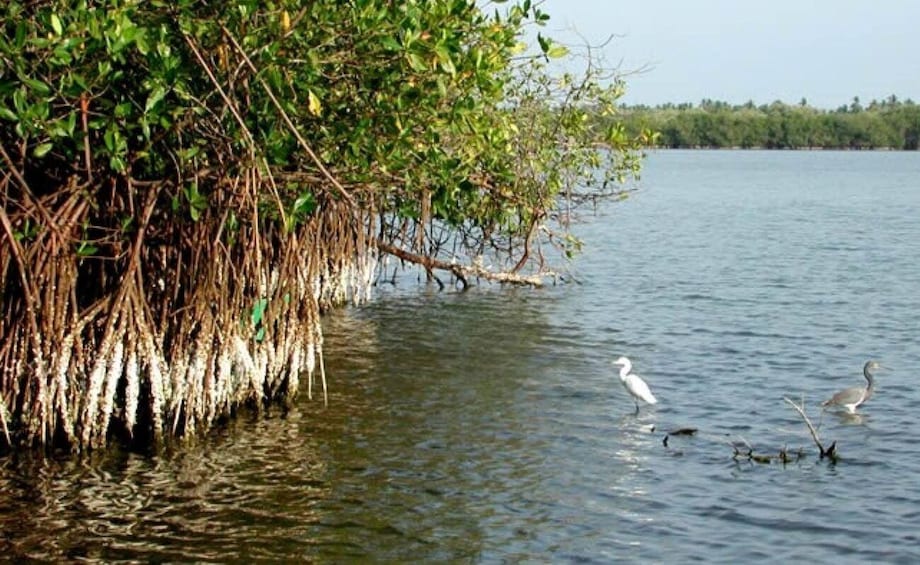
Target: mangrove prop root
{"points": [[156, 335]]}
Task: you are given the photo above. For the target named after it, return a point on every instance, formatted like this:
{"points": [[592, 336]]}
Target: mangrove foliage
{"points": [[187, 185]]}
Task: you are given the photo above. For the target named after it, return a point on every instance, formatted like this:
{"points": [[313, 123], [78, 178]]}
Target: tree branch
{"points": [[287, 120], [830, 451], [462, 272]]}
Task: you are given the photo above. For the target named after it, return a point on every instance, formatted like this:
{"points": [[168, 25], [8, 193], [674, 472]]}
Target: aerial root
{"points": [[6, 430]]}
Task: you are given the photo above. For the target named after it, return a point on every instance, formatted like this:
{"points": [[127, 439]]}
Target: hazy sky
{"points": [[826, 51]]}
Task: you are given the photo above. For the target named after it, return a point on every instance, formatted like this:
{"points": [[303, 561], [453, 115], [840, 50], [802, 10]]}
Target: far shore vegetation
{"points": [[880, 124]]}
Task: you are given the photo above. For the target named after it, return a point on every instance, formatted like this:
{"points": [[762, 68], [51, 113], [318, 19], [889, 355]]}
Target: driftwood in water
{"points": [[678, 432], [784, 455], [830, 451], [743, 450], [781, 456]]}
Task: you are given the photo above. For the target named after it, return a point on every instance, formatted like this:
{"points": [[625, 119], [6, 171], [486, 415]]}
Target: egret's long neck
{"points": [[627, 367]]}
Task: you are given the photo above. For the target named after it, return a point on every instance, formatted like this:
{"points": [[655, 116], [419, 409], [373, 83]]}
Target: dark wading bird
{"points": [[852, 398], [634, 385]]}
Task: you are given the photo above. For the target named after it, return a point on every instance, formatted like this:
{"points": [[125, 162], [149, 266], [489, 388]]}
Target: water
{"points": [[489, 425]]}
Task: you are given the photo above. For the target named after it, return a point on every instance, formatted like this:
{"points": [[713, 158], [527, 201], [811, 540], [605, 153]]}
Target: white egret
{"points": [[852, 398], [634, 384]]}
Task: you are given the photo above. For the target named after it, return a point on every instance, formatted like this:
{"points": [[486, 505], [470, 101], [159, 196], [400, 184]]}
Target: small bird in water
{"points": [[852, 398], [634, 384]]}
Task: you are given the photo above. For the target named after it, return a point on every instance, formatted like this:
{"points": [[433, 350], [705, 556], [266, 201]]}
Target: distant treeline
{"points": [[887, 124]]}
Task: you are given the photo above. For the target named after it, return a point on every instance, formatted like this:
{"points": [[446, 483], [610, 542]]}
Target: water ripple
{"points": [[491, 426]]}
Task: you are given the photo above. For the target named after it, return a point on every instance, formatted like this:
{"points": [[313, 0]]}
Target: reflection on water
{"points": [[846, 418], [491, 426]]}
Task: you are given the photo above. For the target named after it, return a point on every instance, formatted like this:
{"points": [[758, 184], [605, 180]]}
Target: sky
{"points": [[826, 51]]}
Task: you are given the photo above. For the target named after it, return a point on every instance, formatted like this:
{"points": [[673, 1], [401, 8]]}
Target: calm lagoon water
{"points": [[490, 426]]}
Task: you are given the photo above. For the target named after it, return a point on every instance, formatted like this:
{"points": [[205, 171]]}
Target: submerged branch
{"points": [[462, 272], [830, 451]]}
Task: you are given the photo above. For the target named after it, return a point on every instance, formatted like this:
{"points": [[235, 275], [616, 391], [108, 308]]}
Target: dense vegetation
{"points": [[891, 124], [187, 185]]}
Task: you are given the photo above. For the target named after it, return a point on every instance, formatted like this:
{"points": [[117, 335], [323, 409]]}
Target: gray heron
{"points": [[634, 384], [852, 398]]}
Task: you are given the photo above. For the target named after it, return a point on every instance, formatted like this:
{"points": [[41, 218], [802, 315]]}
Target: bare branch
{"points": [[829, 452], [462, 272]]}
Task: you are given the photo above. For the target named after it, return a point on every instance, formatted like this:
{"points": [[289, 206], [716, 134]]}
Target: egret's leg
{"points": [[637, 408]]}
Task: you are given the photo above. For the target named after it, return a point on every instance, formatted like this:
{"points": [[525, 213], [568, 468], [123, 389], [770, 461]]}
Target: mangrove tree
{"points": [[187, 185]]}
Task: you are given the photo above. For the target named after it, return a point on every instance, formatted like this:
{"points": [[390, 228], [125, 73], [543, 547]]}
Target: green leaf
{"points": [[117, 164], [189, 154], [71, 123], [8, 114], [22, 31], [42, 150], [391, 44], [557, 51], [38, 86], [142, 46], [62, 56], [85, 249], [154, 97], [122, 110], [313, 104], [445, 61], [19, 101], [305, 204], [56, 24], [416, 62], [258, 310], [78, 80], [126, 224], [109, 138]]}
